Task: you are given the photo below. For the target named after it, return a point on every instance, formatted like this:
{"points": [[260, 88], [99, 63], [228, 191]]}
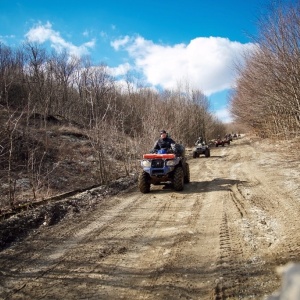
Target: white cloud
{"points": [[120, 70], [119, 43], [205, 63], [44, 33]]}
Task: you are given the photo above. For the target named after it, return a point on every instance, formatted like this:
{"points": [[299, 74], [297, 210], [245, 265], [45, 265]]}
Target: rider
{"points": [[164, 142], [199, 141]]}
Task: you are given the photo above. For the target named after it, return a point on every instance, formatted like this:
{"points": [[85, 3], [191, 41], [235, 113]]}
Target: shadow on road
{"points": [[217, 184]]}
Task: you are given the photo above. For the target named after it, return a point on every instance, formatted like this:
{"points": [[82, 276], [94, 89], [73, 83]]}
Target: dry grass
{"points": [[64, 158]]}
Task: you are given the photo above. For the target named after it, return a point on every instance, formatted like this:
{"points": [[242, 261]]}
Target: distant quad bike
{"points": [[201, 149], [229, 137], [164, 167], [222, 142]]}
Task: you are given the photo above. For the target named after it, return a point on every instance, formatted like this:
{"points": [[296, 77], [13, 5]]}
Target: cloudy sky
{"points": [[165, 42]]}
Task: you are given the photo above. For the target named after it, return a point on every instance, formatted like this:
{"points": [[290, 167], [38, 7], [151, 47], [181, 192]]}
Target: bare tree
{"points": [[267, 93]]}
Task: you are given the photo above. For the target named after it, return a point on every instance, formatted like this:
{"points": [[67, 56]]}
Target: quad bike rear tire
{"points": [[144, 182], [178, 179], [194, 154]]}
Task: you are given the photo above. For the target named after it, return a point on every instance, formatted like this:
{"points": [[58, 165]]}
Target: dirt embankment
{"points": [[220, 238]]}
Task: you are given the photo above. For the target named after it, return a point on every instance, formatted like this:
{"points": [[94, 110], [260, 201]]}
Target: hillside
{"points": [[41, 158]]}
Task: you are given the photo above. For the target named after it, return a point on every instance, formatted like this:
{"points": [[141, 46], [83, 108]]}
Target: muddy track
{"points": [[220, 238]]}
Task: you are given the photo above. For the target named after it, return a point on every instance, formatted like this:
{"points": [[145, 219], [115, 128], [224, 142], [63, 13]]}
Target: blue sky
{"points": [[166, 42]]}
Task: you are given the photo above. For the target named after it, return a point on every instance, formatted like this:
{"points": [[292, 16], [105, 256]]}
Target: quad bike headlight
{"points": [[146, 163], [170, 163]]}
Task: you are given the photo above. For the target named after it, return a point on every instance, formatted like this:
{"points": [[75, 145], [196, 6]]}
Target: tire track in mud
{"points": [[257, 205], [231, 265], [199, 259], [231, 260], [238, 200], [230, 271]]}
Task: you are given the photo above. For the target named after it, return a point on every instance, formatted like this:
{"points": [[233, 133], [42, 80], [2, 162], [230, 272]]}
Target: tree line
{"points": [[267, 94], [34, 81]]}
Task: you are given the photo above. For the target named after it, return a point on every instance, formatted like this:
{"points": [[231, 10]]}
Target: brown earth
{"points": [[220, 238]]}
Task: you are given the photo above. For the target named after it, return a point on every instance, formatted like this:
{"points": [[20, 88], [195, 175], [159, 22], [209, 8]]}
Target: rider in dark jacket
{"points": [[199, 141], [164, 142]]}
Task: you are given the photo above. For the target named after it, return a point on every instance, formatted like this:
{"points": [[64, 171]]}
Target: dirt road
{"points": [[220, 238]]}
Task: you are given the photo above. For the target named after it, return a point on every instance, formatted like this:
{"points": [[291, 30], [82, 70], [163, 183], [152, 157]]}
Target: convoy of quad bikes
{"points": [[170, 166], [202, 148]]}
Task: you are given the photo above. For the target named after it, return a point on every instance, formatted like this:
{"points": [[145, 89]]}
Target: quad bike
{"points": [[163, 167], [220, 142], [229, 137], [201, 149]]}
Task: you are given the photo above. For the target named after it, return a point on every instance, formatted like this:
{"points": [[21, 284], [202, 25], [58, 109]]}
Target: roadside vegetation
{"points": [[267, 94]]}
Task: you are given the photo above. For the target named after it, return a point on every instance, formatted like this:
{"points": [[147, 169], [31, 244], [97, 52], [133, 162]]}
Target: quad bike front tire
{"points": [[144, 182], [207, 153], [178, 180], [194, 154], [187, 175]]}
